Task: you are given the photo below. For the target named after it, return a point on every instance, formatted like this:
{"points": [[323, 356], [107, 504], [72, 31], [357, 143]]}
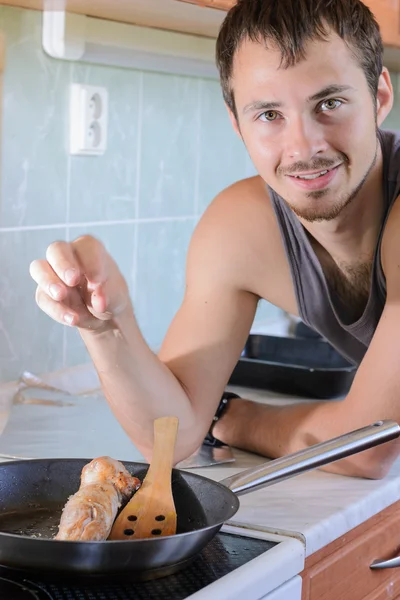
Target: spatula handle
{"points": [[165, 433]]}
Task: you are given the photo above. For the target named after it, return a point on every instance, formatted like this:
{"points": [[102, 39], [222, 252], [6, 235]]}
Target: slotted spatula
{"points": [[151, 511]]}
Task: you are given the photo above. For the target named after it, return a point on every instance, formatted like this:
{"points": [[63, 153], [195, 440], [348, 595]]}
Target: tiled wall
{"points": [[171, 149]]}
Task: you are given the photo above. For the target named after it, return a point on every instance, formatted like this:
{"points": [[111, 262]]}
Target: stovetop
{"points": [[225, 553]]}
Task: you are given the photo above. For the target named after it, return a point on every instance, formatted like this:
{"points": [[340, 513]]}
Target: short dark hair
{"points": [[289, 24]]}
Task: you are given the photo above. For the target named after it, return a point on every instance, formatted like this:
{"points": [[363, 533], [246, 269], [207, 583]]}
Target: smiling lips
{"points": [[314, 181]]}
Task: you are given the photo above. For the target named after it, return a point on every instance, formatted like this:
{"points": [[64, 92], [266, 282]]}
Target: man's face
{"points": [[310, 129]]}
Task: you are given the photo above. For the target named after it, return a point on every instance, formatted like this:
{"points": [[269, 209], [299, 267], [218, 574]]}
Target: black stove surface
{"points": [[225, 553]]}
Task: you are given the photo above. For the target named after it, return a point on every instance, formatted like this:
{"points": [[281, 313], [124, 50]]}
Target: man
{"points": [[314, 233]]}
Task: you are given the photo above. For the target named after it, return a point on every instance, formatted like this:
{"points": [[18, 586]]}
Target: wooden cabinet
{"points": [[172, 15], [341, 571], [202, 17], [387, 13]]}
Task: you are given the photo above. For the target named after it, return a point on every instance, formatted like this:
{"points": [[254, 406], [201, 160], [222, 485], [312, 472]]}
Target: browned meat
{"points": [[90, 513]]}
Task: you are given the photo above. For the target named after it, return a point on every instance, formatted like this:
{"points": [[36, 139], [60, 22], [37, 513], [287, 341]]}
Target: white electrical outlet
{"points": [[88, 119]]}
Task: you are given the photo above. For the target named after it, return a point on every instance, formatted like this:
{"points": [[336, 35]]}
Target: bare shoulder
{"points": [[247, 195], [241, 211], [238, 237]]}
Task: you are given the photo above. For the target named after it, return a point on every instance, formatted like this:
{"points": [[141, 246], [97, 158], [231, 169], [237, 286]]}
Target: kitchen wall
{"points": [[170, 150]]}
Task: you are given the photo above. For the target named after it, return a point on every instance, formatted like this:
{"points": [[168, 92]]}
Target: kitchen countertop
{"points": [[315, 507]]}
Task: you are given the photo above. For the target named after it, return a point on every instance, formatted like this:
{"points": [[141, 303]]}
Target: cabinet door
{"points": [[342, 569], [387, 590], [387, 13]]}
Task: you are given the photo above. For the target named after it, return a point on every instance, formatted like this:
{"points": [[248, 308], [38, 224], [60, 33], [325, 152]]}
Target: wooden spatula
{"points": [[151, 511]]}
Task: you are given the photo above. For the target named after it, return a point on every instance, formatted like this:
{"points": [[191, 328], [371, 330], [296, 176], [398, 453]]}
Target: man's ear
{"points": [[384, 96], [234, 121]]}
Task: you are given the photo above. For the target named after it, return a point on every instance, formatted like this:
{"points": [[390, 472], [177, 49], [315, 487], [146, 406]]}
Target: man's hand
{"points": [[80, 284]]}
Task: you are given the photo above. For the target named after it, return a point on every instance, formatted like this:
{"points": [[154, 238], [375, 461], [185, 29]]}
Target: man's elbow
{"points": [[183, 449], [370, 464], [373, 471]]}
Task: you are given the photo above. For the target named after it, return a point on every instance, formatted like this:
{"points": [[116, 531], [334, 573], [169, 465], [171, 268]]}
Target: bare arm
{"points": [[375, 394], [199, 352], [202, 345]]}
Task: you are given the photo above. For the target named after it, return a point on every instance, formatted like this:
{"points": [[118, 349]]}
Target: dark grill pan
{"points": [[307, 367]]}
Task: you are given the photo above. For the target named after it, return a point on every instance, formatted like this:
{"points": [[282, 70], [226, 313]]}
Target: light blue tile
{"points": [[119, 241], [250, 168], [76, 353], [169, 146], [160, 275], [266, 312], [104, 187], [223, 156], [35, 111], [29, 339]]}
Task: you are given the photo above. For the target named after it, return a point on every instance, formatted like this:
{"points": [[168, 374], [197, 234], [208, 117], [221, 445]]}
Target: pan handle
{"points": [[312, 457]]}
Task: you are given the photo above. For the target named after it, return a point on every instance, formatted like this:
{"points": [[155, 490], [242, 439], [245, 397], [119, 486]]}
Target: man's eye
{"points": [[330, 104], [269, 115]]}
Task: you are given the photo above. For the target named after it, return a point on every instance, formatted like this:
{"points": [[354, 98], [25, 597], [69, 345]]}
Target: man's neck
{"points": [[353, 234]]}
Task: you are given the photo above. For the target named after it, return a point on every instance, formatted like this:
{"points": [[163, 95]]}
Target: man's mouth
{"points": [[316, 180], [313, 176]]}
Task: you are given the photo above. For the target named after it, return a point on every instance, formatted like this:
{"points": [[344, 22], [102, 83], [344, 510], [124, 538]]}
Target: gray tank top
{"points": [[317, 304]]}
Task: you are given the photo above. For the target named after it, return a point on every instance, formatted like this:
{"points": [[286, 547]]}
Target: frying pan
{"points": [[33, 492]]}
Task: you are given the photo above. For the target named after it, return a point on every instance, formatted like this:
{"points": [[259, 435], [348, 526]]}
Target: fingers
{"points": [[93, 260], [98, 300], [95, 264], [85, 256], [79, 283], [61, 258], [47, 279], [56, 310], [70, 312], [60, 282], [67, 263]]}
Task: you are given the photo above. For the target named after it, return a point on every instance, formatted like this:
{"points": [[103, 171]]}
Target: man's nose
{"points": [[304, 139]]}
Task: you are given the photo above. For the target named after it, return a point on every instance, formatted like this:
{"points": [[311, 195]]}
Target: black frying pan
{"points": [[33, 492]]}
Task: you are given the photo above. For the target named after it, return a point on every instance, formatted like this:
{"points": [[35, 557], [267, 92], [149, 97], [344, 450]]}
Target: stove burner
{"points": [[9, 590], [223, 554]]}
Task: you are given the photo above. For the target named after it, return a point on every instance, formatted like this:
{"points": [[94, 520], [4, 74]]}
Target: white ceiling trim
{"points": [[74, 37]]}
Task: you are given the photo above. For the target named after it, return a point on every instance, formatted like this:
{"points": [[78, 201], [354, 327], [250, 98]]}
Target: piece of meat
{"points": [[90, 513]]}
